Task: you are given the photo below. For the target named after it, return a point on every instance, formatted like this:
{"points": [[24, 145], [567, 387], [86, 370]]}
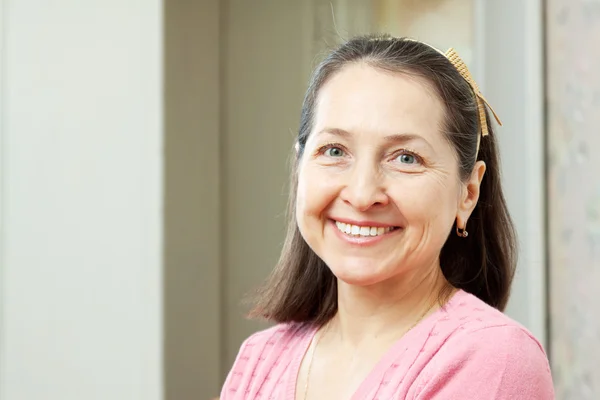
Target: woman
{"points": [[400, 251]]}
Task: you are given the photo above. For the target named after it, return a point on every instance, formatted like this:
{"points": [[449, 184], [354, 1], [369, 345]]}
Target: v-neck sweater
{"points": [[464, 350]]}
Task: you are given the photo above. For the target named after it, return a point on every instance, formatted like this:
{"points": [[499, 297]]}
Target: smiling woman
{"points": [[400, 251]]}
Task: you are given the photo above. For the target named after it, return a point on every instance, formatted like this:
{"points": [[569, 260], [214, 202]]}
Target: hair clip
{"points": [[461, 67]]}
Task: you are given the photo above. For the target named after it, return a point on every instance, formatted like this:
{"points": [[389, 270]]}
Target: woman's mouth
{"points": [[363, 231]]}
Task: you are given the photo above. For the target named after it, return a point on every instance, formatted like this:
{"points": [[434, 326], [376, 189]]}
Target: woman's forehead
{"points": [[363, 99]]}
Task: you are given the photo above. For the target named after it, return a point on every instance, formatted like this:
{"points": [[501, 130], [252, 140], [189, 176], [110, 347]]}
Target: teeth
{"points": [[362, 230]]}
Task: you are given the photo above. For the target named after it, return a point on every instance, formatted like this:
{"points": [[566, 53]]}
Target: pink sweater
{"points": [[467, 350]]}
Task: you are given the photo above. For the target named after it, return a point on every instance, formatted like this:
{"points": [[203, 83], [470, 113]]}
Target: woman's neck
{"points": [[385, 311]]}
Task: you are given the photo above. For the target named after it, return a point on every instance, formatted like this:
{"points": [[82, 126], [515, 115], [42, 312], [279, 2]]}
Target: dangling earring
{"points": [[462, 232]]}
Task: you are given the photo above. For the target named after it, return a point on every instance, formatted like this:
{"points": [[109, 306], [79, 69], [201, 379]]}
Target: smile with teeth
{"points": [[356, 230]]}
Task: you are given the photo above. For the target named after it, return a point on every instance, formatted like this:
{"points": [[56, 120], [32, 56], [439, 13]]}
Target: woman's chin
{"points": [[359, 275]]}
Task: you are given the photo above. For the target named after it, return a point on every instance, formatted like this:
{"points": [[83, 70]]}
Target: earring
{"points": [[461, 232]]}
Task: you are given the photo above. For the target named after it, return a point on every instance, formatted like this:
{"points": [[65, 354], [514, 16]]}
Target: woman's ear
{"points": [[470, 195], [297, 147]]}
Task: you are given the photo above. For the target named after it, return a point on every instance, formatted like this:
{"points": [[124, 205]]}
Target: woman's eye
{"points": [[407, 158], [334, 152]]}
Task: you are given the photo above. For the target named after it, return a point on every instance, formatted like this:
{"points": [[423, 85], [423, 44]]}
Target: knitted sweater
{"points": [[465, 350]]}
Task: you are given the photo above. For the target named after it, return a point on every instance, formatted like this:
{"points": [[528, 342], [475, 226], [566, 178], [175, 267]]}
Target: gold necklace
{"points": [[317, 338]]}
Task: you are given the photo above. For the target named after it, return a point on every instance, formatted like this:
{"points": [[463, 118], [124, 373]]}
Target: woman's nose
{"points": [[364, 189]]}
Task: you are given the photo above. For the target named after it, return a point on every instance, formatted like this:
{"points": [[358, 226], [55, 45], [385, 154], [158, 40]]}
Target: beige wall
{"points": [[192, 213], [262, 88], [453, 21]]}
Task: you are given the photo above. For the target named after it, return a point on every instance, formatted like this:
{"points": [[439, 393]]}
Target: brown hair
{"points": [[303, 289]]}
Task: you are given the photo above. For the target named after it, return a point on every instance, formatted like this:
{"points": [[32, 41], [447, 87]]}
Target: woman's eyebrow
{"points": [[402, 138], [335, 132], [398, 138]]}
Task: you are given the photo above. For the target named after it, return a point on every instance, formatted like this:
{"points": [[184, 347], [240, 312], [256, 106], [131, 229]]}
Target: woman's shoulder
{"points": [[480, 327], [466, 314], [477, 348]]}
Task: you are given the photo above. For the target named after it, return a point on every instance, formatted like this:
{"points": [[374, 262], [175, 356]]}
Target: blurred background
{"points": [[144, 147]]}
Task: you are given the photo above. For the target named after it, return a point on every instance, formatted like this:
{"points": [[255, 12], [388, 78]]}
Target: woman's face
{"points": [[378, 184]]}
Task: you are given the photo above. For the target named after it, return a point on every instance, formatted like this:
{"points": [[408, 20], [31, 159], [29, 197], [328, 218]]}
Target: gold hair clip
{"points": [[461, 67]]}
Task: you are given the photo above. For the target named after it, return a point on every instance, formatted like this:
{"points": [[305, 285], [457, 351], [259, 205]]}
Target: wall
{"points": [[81, 129], [573, 62], [192, 213], [441, 23], [263, 89]]}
